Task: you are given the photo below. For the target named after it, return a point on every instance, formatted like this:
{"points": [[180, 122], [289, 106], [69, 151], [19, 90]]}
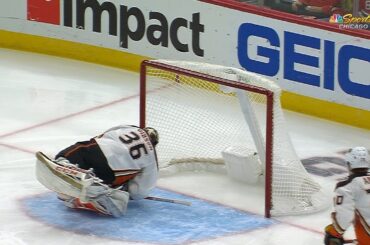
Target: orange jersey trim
{"points": [[362, 230], [124, 176]]}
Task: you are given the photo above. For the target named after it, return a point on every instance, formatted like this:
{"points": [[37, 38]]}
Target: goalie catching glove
{"points": [[80, 188]]}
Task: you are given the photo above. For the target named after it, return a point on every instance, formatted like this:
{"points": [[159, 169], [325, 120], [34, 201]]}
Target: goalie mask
{"points": [[153, 135], [357, 158]]}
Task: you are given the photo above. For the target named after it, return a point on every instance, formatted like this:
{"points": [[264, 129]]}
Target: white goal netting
{"points": [[200, 109]]}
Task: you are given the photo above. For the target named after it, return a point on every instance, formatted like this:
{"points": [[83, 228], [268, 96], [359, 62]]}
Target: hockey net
{"points": [[201, 109]]}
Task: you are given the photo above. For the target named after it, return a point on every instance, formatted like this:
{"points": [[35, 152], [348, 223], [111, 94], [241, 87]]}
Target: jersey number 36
{"points": [[135, 144]]}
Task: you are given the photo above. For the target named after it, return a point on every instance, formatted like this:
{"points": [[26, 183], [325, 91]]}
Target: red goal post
{"points": [[200, 109]]}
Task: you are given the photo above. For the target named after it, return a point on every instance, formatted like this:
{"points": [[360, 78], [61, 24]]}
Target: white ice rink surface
{"points": [[48, 103]]}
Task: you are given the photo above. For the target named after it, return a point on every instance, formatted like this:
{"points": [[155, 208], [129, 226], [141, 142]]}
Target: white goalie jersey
{"points": [[129, 152]]}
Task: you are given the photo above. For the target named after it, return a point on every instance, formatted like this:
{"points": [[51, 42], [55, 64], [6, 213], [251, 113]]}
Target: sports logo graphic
{"points": [[336, 18]]}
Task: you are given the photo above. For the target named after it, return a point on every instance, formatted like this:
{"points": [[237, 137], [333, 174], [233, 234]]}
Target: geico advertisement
{"points": [[309, 61]]}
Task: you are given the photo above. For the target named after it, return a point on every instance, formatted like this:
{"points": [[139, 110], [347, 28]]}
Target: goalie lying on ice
{"points": [[103, 173]]}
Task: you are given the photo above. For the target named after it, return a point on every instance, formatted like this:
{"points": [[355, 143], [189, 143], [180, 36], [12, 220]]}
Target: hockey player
{"points": [[352, 201], [103, 173]]}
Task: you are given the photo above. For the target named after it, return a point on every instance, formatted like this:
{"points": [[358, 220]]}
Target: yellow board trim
{"points": [[326, 110], [115, 58], [72, 50]]}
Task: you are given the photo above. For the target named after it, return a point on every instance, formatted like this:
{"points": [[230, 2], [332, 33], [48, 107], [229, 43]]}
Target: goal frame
{"points": [[225, 82]]}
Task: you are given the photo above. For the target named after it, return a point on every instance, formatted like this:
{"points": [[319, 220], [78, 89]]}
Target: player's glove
{"points": [[332, 236]]}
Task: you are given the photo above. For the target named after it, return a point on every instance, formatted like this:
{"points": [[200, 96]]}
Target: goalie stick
{"points": [[348, 241], [161, 199]]}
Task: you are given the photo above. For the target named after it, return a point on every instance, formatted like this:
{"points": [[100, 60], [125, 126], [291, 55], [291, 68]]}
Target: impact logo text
{"points": [[155, 27]]}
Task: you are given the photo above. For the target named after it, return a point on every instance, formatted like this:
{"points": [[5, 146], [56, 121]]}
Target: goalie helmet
{"points": [[357, 158], [153, 135]]}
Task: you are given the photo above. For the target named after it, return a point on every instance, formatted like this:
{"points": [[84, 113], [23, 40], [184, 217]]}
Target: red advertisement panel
{"points": [[47, 11]]}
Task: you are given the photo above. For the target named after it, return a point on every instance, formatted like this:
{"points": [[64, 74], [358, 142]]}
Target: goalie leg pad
{"points": [[108, 202], [79, 188], [54, 176], [113, 201]]}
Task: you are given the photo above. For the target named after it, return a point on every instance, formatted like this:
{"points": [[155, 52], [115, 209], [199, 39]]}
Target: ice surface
{"points": [[48, 103]]}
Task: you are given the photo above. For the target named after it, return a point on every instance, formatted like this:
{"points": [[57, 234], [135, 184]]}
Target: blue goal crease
{"points": [[150, 221]]}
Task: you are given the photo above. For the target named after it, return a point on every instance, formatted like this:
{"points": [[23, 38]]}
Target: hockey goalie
{"points": [[103, 173]]}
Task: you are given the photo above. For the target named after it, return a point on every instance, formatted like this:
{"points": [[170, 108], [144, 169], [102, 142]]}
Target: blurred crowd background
{"points": [[318, 9]]}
